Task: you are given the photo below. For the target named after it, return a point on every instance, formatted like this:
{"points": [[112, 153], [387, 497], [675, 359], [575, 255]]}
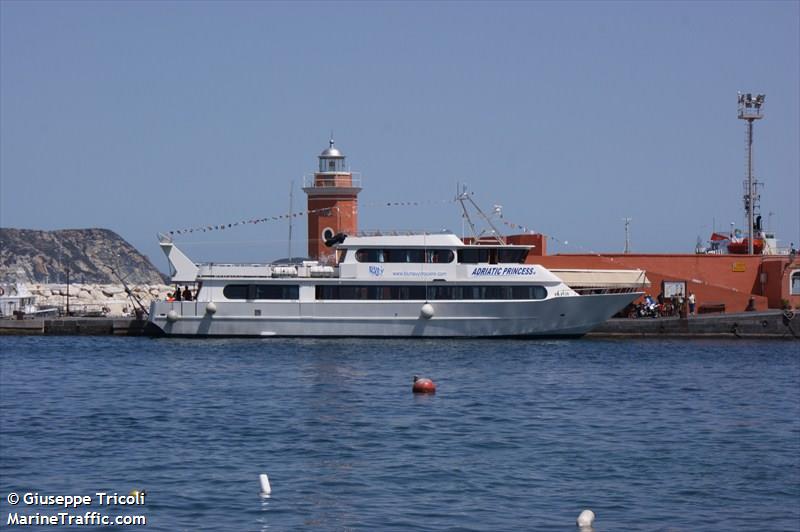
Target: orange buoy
{"points": [[423, 385]]}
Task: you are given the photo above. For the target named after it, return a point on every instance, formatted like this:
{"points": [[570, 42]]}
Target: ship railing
{"points": [[597, 290], [400, 232], [332, 179]]}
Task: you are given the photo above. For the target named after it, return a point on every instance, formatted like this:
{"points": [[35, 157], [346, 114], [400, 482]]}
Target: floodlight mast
{"points": [[750, 110]]}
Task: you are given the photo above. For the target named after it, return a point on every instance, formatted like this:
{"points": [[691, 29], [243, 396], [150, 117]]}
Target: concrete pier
{"points": [[76, 327], [768, 324]]}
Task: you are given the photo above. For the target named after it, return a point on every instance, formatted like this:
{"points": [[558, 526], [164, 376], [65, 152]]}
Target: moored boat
{"points": [[414, 285]]}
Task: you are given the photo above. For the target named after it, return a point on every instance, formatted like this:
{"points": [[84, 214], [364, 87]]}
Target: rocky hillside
{"points": [[43, 256]]}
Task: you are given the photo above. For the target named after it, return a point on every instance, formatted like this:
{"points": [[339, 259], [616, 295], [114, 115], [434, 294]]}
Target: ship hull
{"points": [[560, 316]]}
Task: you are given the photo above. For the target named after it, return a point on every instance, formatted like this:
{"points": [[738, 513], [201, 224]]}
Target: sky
{"points": [[146, 117]]}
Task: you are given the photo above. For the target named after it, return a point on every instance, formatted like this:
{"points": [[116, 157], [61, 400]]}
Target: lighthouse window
{"points": [[794, 289]]}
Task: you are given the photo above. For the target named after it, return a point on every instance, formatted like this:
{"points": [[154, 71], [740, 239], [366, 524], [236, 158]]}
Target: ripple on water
{"points": [[520, 434]]}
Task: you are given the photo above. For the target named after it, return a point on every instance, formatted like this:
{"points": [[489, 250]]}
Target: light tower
{"points": [[750, 110], [332, 202]]}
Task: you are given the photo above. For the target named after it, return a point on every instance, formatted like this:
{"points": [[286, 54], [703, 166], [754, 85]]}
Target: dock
{"points": [[73, 326], [774, 324]]}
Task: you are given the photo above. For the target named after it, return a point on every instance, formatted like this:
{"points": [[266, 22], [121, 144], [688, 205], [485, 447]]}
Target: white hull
{"points": [[562, 316]]}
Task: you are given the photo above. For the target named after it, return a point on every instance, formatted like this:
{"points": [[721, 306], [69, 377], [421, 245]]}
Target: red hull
{"points": [[740, 248]]}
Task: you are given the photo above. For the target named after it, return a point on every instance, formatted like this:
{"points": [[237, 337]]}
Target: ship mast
{"points": [[463, 197], [750, 110]]}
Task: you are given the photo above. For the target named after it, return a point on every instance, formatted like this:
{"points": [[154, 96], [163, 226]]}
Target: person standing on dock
{"points": [[692, 302]]}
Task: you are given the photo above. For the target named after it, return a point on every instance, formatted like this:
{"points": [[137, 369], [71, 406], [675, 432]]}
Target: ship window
{"points": [[369, 255], [235, 291], [473, 256], [794, 289], [516, 256], [261, 291], [437, 292], [402, 255], [439, 256], [442, 292], [277, 291]]}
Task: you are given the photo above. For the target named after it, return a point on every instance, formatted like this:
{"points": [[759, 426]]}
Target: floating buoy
{"points": [[423, 385], [211, 308], [172, 316], [585, 519], [135, 493], [266, 489], [426, 311]]}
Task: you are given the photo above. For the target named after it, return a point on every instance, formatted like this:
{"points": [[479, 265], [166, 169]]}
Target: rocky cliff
{"points": [[44, 256]]}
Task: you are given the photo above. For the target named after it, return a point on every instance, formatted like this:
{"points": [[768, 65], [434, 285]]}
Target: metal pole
{"points": [[750, 187], [291, 208], [67, 290], [627, 234]]}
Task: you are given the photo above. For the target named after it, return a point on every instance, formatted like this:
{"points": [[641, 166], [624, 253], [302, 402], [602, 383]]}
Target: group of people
{"points": [[177, 295], [676, 303]]}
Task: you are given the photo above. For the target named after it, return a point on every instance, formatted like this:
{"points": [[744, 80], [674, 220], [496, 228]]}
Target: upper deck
{"points": [[408, 257]]}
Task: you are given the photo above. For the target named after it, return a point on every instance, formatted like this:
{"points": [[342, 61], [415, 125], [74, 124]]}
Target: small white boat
{"points": [[17, 301]]}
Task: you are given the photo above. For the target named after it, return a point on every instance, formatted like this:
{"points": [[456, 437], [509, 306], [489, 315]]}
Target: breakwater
{"points": [[109, 299]]}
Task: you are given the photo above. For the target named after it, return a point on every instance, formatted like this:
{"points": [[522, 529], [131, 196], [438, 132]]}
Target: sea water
{"points": [[520, 435]]}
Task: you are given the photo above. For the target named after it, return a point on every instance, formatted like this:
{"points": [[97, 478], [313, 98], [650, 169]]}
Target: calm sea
{"points": [[521, 435]]}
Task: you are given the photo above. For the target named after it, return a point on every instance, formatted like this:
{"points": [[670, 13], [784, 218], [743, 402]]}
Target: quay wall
{"points": [[771, 324]]}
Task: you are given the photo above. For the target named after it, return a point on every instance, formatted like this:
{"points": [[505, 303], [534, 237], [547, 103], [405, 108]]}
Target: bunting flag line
{"points": [[327, 211]]}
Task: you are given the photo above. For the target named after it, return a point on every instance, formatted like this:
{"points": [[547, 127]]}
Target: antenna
{"points": [[627, 234], [750, 110]]}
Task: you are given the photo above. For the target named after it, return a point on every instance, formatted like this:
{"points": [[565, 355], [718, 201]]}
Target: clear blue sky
{"points": [[150, 116]]}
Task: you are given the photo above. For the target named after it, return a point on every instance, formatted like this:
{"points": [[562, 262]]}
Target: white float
{"points": [[266, 489], [585, 519]]}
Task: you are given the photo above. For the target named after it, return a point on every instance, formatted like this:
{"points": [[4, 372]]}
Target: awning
{"points": [[603, 278]]}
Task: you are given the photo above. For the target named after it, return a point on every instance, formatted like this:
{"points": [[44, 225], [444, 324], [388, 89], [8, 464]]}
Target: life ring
{"points": [[2, 291]]}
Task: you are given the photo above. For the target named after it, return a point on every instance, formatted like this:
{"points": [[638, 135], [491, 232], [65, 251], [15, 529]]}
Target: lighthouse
{"points": [[332, 203]]}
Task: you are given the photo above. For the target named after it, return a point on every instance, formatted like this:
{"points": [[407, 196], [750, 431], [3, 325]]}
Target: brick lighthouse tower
{"points": [[332, 203]]}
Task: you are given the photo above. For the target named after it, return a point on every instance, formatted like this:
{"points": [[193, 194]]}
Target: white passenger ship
{"points": [[414, 285]]}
